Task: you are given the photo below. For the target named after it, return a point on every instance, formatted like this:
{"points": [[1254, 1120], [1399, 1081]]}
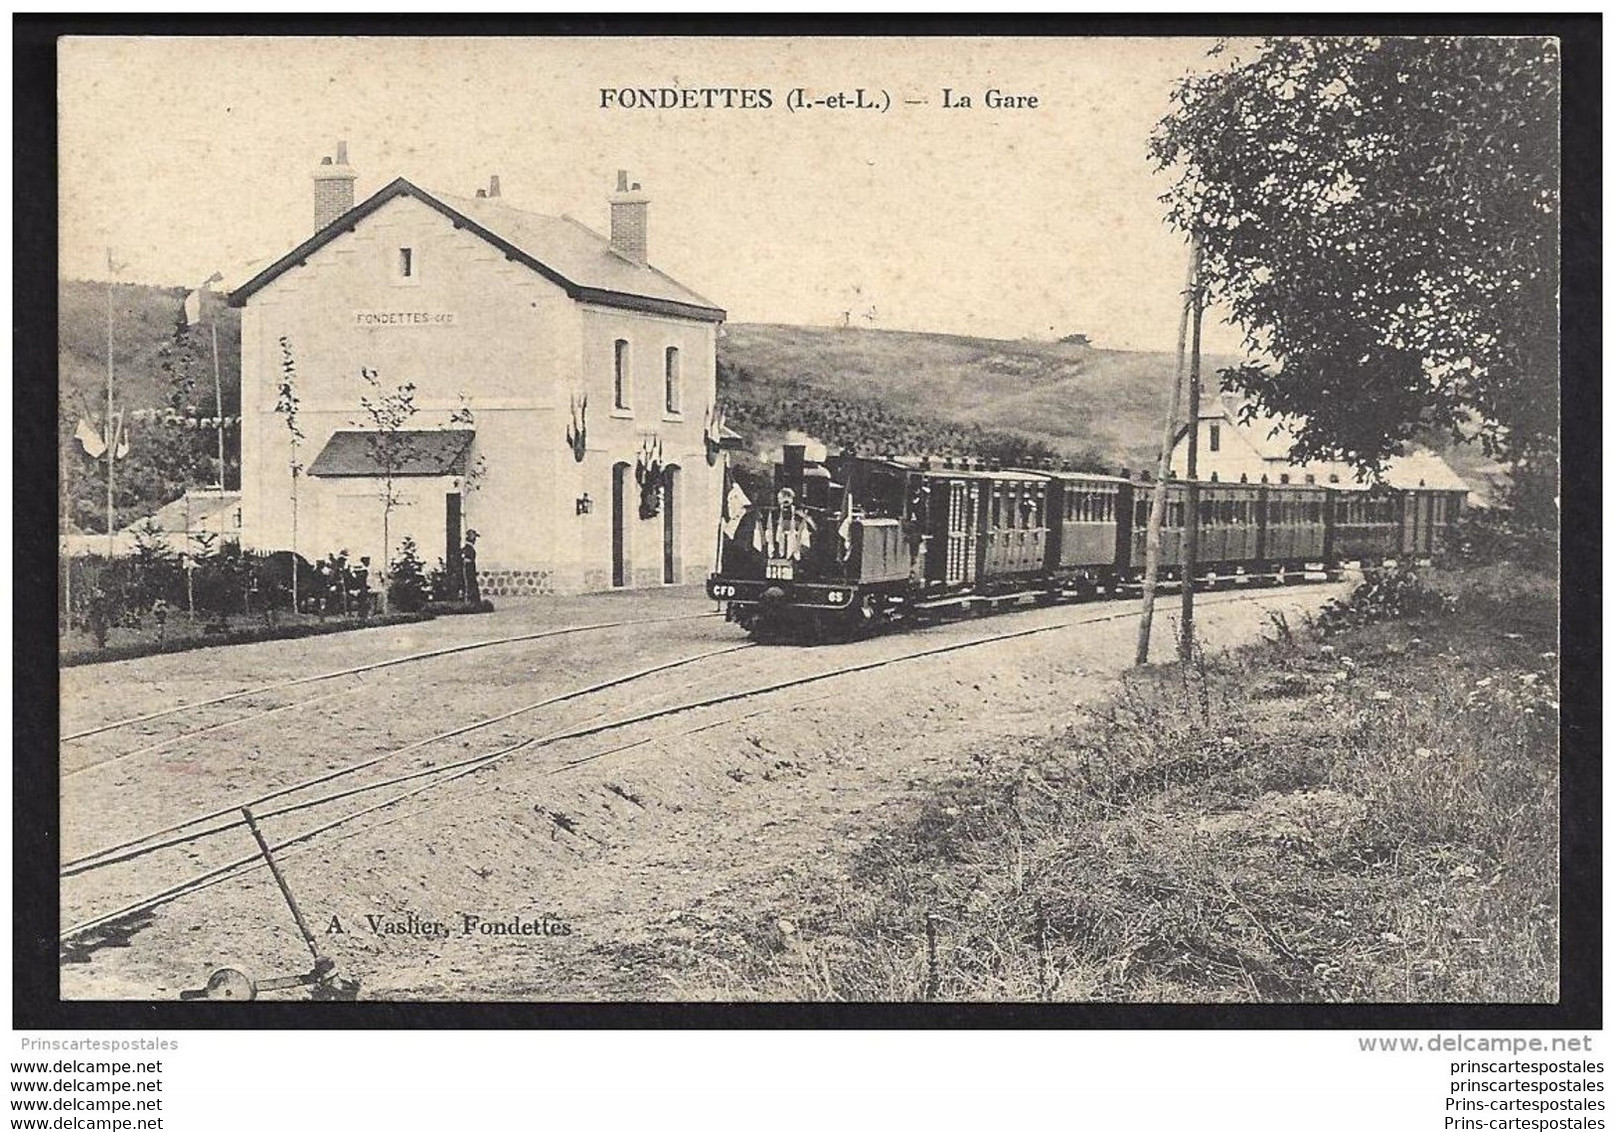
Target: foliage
{"points": [[407, 587], [1501, 534], [154, 565], [163, 374], [1393, 594], [220, 582], [1381, 217], [392, 445]]}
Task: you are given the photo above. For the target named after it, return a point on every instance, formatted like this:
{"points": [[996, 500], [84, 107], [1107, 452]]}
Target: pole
{"points": [[285, 889], [723, 506], [218, 397], [1163, 467], [67, 535], [112, 441], [1191, 538], [295, 606], [190, 563]]}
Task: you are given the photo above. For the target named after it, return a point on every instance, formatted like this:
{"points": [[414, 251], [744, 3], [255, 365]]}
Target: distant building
{"points": [[1230, 450], [565, 390], [209, 512]]}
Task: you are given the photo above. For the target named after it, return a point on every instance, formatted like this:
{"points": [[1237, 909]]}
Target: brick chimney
{"points": [[629, 206], [333, 187]]}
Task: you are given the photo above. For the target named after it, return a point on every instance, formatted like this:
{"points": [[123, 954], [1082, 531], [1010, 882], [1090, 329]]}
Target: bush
{"points": [[454, 606], [1502, 534], [1393, 594], [406, 579]]}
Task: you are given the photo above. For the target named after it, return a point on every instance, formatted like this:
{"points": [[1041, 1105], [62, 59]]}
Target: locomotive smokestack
{"points": [[795, 458]]}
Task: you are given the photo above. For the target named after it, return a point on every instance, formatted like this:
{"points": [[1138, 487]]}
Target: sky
{"points": [[191, 156]]}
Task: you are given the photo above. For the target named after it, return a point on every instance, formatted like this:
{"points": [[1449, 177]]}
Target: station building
{"points": [[563, 392]]}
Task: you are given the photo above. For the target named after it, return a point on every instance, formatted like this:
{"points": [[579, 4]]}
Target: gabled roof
{"points": [[568, 254], [1423, 468], [420, 452], [191, 511]]}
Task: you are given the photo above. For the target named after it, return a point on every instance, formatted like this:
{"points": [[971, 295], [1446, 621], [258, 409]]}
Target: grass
{"points": [[1368, 818], [1078, 399]]}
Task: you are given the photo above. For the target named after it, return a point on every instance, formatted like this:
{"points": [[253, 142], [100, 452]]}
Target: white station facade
{"points": [[563, 392]]}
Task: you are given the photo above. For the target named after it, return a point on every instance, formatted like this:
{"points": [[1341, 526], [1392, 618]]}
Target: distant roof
{"points": [[189, 512], [568, 254], [1419, 468], [1423, 468], [424, 452]]}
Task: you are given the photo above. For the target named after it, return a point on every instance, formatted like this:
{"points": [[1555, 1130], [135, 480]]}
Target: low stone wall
{"points": [[532, 583], [515, 583]]}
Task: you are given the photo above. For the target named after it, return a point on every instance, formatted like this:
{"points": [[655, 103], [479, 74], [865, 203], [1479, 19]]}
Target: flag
{"points": [[191, 313], [87, 435], [577, 427], [735, 504], [120, 449]]}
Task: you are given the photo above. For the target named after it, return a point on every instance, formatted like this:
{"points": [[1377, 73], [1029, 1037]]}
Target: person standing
{"points": [[468, 566]]}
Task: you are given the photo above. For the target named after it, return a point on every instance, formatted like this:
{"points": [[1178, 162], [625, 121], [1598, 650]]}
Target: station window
{"points": [[1215, 438], [675, 393], [620, 377], [406, 263]]}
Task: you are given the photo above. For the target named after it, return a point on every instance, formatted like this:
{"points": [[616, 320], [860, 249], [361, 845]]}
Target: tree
{"points": [[392, 446], [1381, 217], [286, 407], [184, 452]]}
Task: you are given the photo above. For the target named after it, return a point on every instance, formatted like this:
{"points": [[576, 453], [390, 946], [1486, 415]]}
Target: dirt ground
{"points": [[554, 873]]}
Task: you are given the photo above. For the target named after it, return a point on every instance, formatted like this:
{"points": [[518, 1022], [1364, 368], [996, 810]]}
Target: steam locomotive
{"points": [[855, 542]]}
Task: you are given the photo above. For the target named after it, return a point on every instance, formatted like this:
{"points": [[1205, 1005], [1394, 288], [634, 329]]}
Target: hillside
{"points": [[143, 320], [905, 391], [153, 367], [873, 390], [1098, 406]]}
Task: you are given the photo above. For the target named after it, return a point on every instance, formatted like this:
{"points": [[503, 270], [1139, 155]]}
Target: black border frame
{"points": [[35, 771]]}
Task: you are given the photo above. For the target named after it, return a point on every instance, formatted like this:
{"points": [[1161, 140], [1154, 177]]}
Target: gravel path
{"points": [[624, 837]]}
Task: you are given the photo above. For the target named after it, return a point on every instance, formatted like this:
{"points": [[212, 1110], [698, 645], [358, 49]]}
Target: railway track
{"points": [[356, 673], [419, 782]]}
